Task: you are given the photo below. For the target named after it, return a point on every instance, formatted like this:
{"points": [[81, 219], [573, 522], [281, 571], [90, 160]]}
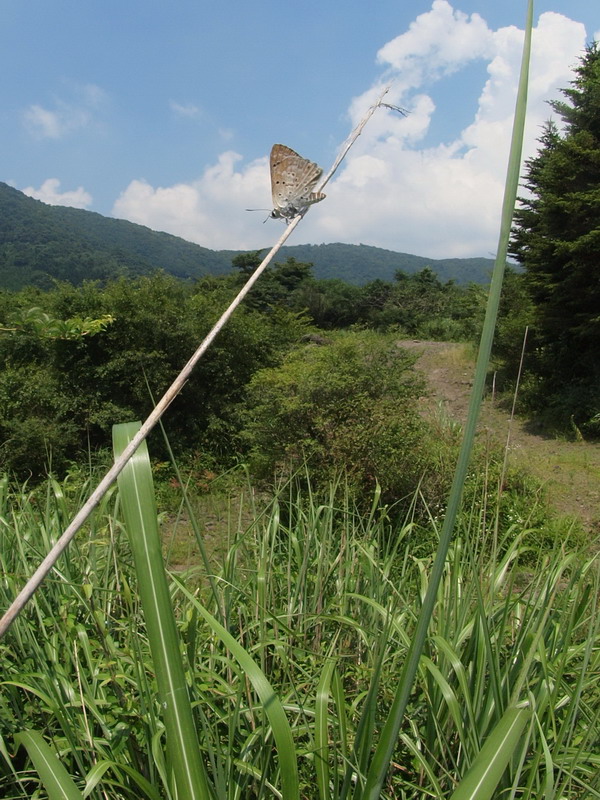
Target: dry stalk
{"points": [[94, 499]]}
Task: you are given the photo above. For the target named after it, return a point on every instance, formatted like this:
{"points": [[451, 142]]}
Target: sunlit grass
{"points": [[324, 601]]}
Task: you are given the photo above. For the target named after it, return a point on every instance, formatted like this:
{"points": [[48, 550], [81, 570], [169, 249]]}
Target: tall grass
{"points": [[321, 605]]}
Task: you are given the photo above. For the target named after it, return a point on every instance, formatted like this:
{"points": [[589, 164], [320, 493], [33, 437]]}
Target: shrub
{"points": [[348, 405]]}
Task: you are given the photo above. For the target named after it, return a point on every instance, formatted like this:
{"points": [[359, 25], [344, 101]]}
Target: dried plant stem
{"points": [[94, 499], [354, 136], [513, 409]]}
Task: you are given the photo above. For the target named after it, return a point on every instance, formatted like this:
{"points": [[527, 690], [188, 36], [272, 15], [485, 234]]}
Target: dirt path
{"points": [[570, 470]]}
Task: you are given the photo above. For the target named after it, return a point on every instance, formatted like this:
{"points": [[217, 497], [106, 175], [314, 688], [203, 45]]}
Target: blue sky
{"points": [[164, 112]]}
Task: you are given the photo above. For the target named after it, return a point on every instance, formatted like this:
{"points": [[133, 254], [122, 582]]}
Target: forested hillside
{"points": [[40, 243], [360, 264]]}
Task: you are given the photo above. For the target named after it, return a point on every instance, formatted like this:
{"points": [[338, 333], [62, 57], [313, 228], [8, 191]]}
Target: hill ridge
{"points": [[40, 243]]}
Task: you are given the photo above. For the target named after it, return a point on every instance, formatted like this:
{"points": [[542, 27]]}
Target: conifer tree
{"points": [[557, 240]]}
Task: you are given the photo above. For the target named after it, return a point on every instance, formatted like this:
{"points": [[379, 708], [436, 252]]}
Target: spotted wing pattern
{"points": [[293, 179]]}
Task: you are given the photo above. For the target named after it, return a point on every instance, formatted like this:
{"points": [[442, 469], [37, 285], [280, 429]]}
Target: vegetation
{"points": [[349, 405], [361, 264], [76, 358], [322, 600], [343, 641], [40, 244], [557, 240], [60, 396]]}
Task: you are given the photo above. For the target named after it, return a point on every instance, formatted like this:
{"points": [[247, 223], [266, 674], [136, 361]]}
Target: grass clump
{"points": [[324, 601]]}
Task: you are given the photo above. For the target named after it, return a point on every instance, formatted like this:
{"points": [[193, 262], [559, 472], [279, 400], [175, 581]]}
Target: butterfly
{"points": [[293, 179]]}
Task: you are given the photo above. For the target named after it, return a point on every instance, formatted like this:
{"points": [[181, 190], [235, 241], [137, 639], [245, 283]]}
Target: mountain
{"points": [[40, 243], [361, 263]]}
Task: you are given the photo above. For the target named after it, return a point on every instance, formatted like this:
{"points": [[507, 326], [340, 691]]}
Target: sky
{"points": [[163, 112]]}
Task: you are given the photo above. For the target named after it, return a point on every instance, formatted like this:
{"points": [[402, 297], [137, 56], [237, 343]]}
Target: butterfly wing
{"points": [[293, 179]]}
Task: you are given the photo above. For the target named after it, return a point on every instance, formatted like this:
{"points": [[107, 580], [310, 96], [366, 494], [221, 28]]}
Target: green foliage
{"points": [[362, 264], [329, 303], [312, 603], [247, 262], [557, 239], [277, 283], [515, 318], [416, 305], [37, 428], [77, 358], [60, 395], [184, 761], [421, 306], [40, 244], [34, 320], [348, 405]]}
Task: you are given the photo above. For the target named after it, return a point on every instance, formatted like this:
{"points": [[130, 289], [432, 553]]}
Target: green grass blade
{"points": [[448, 693], [53, 775], [137, 497], [321, 730], [282, 733], [430, 770], [337, 691], [99, 769], [389, 735], [482, 779]]}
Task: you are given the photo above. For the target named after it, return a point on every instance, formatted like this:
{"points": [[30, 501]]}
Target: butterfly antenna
{"points": [[260, 209]]}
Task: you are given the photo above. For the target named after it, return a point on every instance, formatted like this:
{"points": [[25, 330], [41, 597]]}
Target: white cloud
{"points": [[65, 117], [437, 43], [44, 123], [209, 211], [49, 193], [188, 110], [393, 190], [445, 200]]}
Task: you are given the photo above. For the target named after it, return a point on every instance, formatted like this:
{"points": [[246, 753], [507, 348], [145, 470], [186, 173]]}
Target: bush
{"points": [[348, 405]]}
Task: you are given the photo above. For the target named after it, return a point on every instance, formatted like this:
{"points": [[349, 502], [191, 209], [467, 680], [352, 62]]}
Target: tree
{"points": [[276, 284], [557, 240], [292, 273], [61, 393], [330, 303], [247, 262]]}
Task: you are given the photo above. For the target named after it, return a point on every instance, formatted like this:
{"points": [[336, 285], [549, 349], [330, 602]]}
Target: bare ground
{"points": [[569, 470]]}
